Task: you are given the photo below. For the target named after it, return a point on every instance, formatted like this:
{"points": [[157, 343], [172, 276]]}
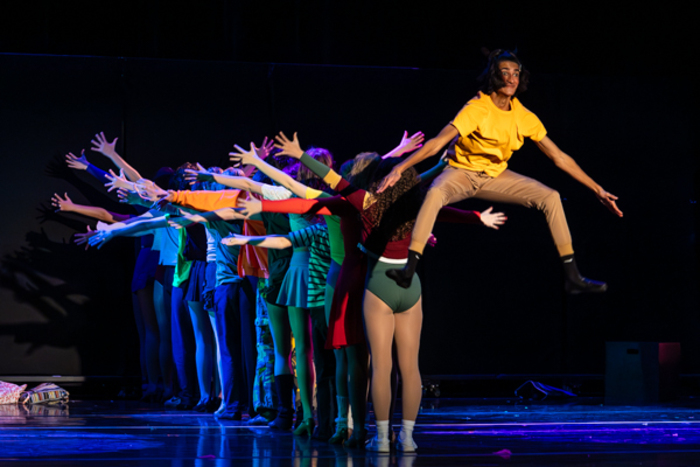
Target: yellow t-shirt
{"points": [[488, 135]]}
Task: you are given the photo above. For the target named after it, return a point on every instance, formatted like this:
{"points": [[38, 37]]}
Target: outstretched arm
{"points": [[406, 145], [187, 218], [429, 149], [202, 200], [81, 163], [335, 205], [67, 205], [81, 238], [276, 242], [134, 229], [116, 182], [569, 165], [101, 145], [487, 217], [439, 167], [293, 149], [231, 181], [251, 157]]}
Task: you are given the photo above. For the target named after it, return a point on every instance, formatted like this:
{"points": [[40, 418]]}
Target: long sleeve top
{"points": [[355, 202], [252, 261]]}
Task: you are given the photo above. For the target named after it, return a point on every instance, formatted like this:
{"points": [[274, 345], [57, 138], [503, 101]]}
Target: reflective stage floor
{"points": [[449, 432]]}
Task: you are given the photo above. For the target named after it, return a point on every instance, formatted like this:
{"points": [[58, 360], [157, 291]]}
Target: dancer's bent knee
{"points": [[434, 201]]}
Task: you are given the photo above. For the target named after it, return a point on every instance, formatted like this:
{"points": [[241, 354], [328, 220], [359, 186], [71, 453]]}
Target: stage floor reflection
{"points": [[449, 432]]}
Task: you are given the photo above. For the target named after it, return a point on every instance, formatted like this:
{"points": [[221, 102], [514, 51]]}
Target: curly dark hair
{"points": [[491, 77], [394, 210]]}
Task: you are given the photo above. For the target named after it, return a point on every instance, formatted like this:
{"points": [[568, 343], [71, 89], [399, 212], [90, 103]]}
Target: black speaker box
{"points": [[639, 373]]}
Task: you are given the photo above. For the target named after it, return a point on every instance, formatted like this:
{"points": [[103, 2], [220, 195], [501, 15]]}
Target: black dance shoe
{"points": [[580, 285], [575, 283], [282, 423]]}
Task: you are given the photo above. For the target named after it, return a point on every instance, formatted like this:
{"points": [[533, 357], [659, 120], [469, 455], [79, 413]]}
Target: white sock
{"points": [[406, 432], [383, 430]]}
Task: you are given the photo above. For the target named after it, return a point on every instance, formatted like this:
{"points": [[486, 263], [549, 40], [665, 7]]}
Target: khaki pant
{"points": [[509, 187]]}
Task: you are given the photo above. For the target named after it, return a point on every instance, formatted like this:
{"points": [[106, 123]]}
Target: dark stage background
{"points": [[610, 90]]}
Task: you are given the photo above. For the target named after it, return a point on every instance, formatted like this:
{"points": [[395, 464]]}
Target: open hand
{"points": [[235, 240], [180, 222], [129, 197], [199, 175], [250, 206], [288, 147], [62, 204], [493, 219], [101, 145], [609, 201], [390, 180], [244, 157], [414, 142], [82, 238], [266, 148], [149, 190], [100, 238], [78, 163], [117, 181]]}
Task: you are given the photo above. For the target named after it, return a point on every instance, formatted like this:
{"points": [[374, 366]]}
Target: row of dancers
{"points": [[282, 245]]}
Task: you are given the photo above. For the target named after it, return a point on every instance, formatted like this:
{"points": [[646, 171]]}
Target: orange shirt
{"points": [[252, 260]]}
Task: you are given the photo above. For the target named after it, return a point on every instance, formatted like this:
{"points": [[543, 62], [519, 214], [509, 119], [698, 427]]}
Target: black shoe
{"points": [[358, 438], [208, 405], [281, 423], [300, 417], [575, 283], [321, 434], [583, 285], [285, 397], [186, 403]]}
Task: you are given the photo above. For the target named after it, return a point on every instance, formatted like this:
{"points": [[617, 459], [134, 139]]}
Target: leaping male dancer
{"points": [[489, 128]]}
